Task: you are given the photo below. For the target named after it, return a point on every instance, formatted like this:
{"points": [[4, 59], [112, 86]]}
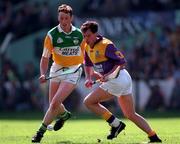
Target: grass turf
{"points": [[86, 131]]}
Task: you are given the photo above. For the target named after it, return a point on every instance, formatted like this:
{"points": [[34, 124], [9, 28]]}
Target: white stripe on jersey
{"points": [[49, 35], [46, 53]]}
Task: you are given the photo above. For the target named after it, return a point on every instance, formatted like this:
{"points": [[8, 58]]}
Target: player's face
{"points": [[89, 37], [65, 21]]}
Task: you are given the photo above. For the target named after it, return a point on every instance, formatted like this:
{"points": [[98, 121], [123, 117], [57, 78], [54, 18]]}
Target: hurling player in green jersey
{"points": [[63, 43]]}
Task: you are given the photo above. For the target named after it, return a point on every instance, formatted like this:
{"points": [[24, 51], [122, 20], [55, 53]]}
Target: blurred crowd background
{"points": [[148, 31]]}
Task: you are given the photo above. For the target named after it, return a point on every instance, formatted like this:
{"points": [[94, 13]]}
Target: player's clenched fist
{"points": [[42, 79], [88, 83]]}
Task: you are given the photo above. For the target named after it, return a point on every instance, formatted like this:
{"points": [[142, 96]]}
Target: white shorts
{"points": [[71, 78], [122, 85]]}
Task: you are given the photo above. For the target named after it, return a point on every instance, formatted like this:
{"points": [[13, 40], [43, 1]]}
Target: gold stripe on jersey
{"points": [[47, 43], [65, 60], [97, 53]]}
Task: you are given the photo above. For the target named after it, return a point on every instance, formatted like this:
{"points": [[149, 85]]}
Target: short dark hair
{"points": [[89, 25], [65, 8]]}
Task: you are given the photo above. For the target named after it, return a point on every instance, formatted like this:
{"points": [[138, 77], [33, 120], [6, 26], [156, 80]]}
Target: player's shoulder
{"points": [[74, 28], [52, 30], [106, 41], [78, 29]]}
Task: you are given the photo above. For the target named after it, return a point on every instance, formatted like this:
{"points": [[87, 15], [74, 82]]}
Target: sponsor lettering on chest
{"points": [[69, 51]]}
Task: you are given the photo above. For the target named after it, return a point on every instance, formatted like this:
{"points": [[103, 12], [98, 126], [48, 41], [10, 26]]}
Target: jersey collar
{"points": [[98, 39], [61, 30]]}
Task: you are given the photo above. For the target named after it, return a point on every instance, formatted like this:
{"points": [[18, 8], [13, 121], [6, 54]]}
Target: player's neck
{"points": [[95, 40], [67, 29]]}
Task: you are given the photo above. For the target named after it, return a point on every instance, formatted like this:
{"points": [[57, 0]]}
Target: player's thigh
{"points": [[53, 86], [126, 103], [63, 91], [98, 95]]}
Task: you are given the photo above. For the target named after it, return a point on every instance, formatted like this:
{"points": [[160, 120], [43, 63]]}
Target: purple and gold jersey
{"points": [[103, 56]]}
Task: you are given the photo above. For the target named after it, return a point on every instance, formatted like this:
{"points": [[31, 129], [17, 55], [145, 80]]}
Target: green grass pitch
{"points": [[86, 131]]}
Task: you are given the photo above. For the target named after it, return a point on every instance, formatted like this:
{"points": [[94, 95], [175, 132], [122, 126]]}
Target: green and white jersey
{"points": [[64, 47]]}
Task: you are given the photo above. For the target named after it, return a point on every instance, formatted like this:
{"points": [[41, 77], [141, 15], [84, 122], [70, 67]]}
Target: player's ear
{"points": [[58, 17], [72, 17]]}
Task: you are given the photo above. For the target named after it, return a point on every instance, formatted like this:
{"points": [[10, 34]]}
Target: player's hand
{"points": [[88, 83], [42, 79], [96, 75], [103, 79]]}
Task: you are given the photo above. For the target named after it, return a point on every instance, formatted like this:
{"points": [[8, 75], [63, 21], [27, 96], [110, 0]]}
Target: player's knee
{"points": [[87, 102]]}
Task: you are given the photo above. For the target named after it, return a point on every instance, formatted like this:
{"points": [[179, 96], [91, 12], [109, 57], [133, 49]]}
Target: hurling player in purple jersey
{"points": [[106, 63]]}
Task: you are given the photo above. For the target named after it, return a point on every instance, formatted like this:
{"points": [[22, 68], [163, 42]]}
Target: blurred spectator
{"points": [[12, 87], [165, 38], [105, 7], [24, 18], [156, 57], [156, 99], [31, 97], [155, 5], [92, 5], [45, 17], [5, 17], [30, 72], [38, 48], [3, 95], [175, 98], [19, 24], [20, 93], [72, 102]]}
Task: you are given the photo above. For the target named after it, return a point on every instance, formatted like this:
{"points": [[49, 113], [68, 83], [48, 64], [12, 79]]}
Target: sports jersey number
{"points": [[119, 54]]}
